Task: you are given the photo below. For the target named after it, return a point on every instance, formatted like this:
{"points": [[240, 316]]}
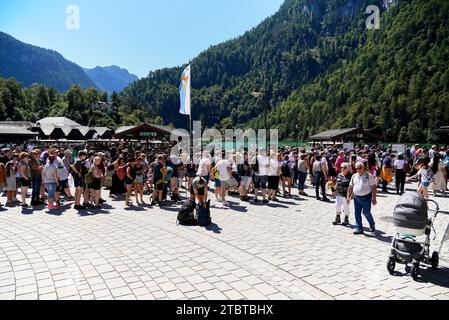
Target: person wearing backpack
{"points": [[118, 178], [95, 185], [262, 166], [78, 173], [245, 172], [343, 180], [50, 179], [273, 176], [286, 177], [158, 180], [88, 165], [320, 177], [303, 168], [129, 180]]}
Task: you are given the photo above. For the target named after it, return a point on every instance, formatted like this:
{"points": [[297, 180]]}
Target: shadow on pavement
{"points": [[91, 213], [215, 228], [379, 235], [276, 205], [427, 275]]}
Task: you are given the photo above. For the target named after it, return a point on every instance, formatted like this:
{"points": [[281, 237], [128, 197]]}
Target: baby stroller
{"points": [[412, 221]]}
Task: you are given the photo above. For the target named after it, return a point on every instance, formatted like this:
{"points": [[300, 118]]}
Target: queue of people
{"points": [[345, 175]]}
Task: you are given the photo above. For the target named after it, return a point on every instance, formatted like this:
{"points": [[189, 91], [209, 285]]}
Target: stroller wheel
{"points": [[415, 271], [391, 264], [435, 260]]}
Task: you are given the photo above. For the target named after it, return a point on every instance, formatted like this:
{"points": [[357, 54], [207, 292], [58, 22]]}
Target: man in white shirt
{"points": [[261, 176], [205, 167], [364, 189], [223, 167]]}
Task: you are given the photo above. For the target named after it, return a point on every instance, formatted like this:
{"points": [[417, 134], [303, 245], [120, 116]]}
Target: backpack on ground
{"points": [[203, 214], [186, 216]]}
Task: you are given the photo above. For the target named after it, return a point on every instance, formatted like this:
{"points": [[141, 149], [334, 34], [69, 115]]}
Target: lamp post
{"points": [[261, 94]]}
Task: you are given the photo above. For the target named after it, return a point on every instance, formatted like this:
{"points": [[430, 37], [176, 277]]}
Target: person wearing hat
{"points": [[343, 180]]}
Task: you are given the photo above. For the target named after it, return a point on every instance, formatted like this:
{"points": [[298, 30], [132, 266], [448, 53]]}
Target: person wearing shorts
{"points": [[129, 180], [138, 180], [158, 180], [261, 177], [78, 173], [50, 175], [245, 172], [198, 190], [25, 176], [273, 176], [224, 169], [97, 173]]}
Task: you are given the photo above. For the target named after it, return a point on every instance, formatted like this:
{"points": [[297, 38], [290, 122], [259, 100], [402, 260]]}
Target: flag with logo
{"points": [[184, 92]]}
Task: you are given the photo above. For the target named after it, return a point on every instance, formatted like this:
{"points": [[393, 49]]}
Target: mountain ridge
{"points": [[111, 78], [31, 64]]}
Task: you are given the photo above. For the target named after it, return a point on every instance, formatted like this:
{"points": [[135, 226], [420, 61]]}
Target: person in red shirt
{"points": [[339, 161]]}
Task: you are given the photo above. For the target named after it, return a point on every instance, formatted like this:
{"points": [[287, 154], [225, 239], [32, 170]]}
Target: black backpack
{"points": [[256, 166], [285, 169], [203, 214], [186, 216]]}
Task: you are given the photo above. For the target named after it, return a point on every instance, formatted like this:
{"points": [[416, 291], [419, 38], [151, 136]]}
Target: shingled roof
{"points": [[339, 134]]}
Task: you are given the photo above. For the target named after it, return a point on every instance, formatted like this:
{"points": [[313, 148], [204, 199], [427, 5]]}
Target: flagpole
{"points": [[190, 113]]}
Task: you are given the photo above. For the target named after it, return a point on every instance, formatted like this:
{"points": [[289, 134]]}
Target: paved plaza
{"points": [[284, 250]]}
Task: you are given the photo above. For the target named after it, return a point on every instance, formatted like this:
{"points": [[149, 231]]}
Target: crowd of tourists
{"points": [[356, 175]]}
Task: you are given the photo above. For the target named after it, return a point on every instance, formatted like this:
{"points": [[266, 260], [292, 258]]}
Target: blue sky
{"points": [[140, 35]]}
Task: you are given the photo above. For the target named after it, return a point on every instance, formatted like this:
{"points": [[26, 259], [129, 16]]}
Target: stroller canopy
{"points": [[411, 212]]}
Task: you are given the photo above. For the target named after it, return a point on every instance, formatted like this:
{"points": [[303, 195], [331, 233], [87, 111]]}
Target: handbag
{"points": [[232, 183], [108, 182]]}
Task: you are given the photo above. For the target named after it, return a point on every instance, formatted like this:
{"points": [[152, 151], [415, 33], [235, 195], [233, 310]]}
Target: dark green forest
{"points": [[30, 64], [398, 84], [301, 41], [36, 102], [321, 68], [317, 64]]}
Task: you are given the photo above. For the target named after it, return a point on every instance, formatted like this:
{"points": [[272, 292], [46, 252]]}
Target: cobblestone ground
{"points": [[285, 250]]}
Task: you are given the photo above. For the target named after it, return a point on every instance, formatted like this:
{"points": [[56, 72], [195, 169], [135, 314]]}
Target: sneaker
{"points": [[265, 201], [255, 201], [373, 229], [71, 199], [358, 232], [337, 221], [25, 205], [345, 223]]}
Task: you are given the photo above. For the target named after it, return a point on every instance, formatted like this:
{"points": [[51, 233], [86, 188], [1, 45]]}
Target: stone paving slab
{"points": [[284, 250]]}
